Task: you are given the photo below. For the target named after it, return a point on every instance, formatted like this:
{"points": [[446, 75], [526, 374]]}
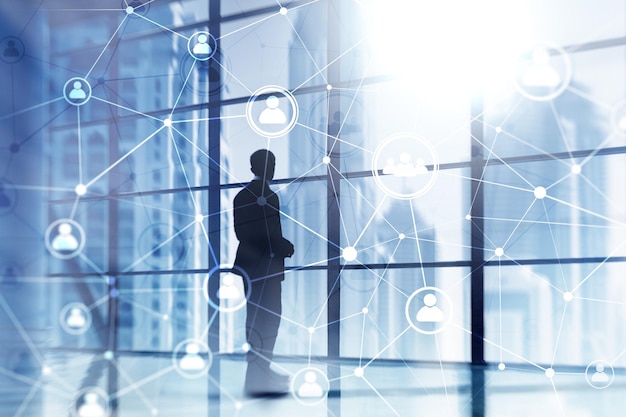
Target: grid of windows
{"points": [[453, 196]]}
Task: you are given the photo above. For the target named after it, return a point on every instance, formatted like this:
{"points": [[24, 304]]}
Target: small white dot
{"points": [[468, 217], [154, 412], [501, 366], [349, 253], [329, 87], [108, 355], [576, 169], [568, 296], [365, 310], [499, 252], [540, 193], [550, 372], [80, 189], [326, 160], [498, 129], [46, 370], [311, 330], [283, 11], [199, 218], [238, 405], [130, 10], [401, 236], [245, 347], [359, 372], [166, 317], [167, 122]]}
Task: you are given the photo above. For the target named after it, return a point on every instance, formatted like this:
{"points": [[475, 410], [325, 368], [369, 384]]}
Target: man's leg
{"points": [[262, 322]]}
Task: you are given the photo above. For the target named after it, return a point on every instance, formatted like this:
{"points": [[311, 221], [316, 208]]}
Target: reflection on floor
{"points": [[80, 385]]}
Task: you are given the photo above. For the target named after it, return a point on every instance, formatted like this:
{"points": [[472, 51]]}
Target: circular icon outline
{"points": [[21, 50], [201, 345], [81, 241], [314, 401], [324, 99], [230, 269], [421, 191], [593, 364], [409, 317], [567, 78], [173, 238], [63, 318], [83, 82], [211, 42], [95, 390], [292, 102]]}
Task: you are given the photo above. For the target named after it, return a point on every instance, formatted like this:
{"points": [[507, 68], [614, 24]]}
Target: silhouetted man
{"points": [[261, 253]]}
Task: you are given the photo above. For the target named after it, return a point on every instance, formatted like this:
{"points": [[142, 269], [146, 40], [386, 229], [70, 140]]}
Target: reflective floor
{"points": [[79, 385]]}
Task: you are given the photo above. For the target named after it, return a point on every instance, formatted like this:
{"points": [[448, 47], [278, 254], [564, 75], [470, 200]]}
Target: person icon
{"points": [[540, 73], [65, 241], [310, 388], [272, 115], [11, 51], [202, 46], [191, 360], [91, 407], [405, 168], [228, 290], [77, 92], [420, 167], [600, 376], [430, 313], [5, 201], [76, 318], [390, 167]]}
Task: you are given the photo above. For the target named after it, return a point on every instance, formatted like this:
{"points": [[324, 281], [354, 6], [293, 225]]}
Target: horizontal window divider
{"points": [[363, 267]]}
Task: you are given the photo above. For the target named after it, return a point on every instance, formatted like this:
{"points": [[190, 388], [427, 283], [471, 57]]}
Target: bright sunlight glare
{"points": [[461, 44]]}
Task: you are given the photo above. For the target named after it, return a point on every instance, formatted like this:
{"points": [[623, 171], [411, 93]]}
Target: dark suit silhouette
{"points": [[261, 252]]}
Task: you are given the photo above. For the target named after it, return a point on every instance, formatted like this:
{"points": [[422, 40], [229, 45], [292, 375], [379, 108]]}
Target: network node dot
{"points": [[540, 193], [167, 122], [501, 366], [576, 169], [311, 330], [108, 355], [468, 217], [329, 87], [166, 317], [238, 405], [130, 10], [199, 218], [326, 160], [283, 11], [359, 372], [245, 347], [365, 310], [550, 372], [568, 296], [349, 253], [80, 189], [261, 201], [401, 236], [498, 129], [154, 412], [46, 370], [499, 252]]}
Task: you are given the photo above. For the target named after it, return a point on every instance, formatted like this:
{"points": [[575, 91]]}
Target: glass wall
{"points": [[452, 177]]}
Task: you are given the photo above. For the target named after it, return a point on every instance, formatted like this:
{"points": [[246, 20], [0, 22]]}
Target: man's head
{"points": [[262, 163]]}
